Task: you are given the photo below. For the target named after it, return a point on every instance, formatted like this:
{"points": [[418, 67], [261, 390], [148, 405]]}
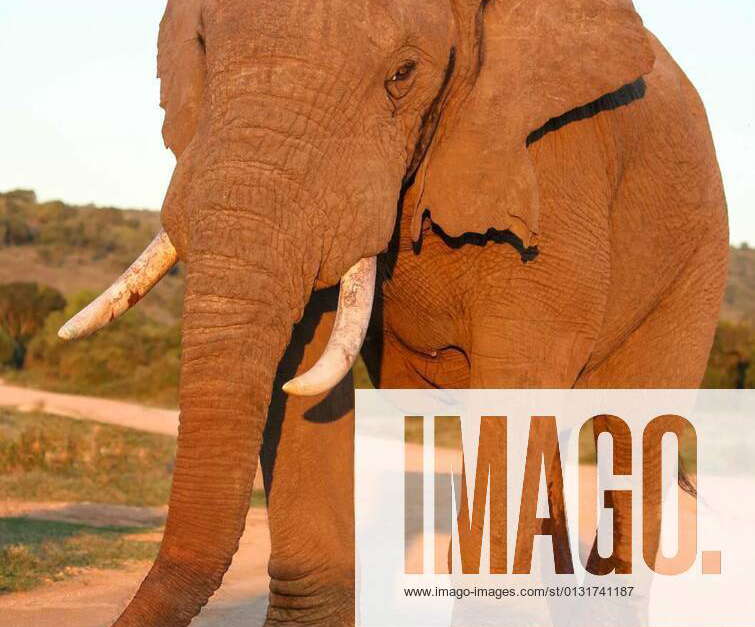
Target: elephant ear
{"points": [[532, 61], [181, 69]]}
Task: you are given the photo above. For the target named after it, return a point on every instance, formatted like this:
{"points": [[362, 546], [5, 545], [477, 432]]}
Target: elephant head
{"points": [[299, 128]]}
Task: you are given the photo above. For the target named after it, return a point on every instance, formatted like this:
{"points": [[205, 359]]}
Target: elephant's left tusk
{"points": [[151, 266], [347, 337]]}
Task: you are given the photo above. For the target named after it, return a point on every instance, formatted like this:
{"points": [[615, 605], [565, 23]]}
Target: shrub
{"points": [[7, 349], [23, 310], [133, 357]]}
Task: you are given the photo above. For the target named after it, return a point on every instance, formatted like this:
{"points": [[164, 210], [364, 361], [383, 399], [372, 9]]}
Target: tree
{"points": [[24, 307]]}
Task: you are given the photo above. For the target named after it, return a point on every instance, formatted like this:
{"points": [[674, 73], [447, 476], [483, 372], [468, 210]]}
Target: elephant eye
{"points": [[401, 80], [404, 72]]}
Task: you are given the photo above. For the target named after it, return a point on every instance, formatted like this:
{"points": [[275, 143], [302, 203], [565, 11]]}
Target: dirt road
{"points": [[121, 413], [131, 415], [95, 597]]}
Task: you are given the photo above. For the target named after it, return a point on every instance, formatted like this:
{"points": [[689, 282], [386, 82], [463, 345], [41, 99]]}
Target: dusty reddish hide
{"points": [[453, 136]]}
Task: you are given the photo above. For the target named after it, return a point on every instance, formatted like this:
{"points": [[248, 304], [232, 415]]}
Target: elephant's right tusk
{"points": [[347, 337], [151, 266]]}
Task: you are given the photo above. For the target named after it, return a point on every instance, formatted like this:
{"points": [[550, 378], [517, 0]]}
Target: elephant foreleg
{"points": [[307, 461]]}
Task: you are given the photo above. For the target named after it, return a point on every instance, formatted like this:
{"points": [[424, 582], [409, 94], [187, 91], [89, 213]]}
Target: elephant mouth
{"points": [[352, 319]]}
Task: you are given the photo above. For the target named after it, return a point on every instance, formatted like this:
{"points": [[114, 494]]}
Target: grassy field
{"points": [[46, 458], [51, 458], [33, 552]]}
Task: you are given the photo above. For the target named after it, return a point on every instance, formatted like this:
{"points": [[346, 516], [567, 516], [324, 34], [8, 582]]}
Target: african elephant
{"points": [[533, 183]]}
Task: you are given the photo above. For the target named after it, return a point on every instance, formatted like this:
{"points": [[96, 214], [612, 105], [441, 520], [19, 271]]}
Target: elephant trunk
{"points": [[237, 323], [244, 229]]}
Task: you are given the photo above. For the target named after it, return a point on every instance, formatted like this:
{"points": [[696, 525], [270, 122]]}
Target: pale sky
{"points": [[80, 122]]}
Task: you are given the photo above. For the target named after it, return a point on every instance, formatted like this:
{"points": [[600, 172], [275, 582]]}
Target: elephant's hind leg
{"points": [[307, 462]]}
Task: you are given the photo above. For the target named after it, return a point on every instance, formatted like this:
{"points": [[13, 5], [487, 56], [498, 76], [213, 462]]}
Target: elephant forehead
{"points": [[302, 27]]}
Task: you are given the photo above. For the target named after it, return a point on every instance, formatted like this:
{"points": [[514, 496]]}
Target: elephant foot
{"points": [[313, 599]]}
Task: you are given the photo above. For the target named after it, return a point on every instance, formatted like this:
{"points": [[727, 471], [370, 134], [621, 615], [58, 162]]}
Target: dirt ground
{"points": [[95, 597], [91, 514], [132, 415]]}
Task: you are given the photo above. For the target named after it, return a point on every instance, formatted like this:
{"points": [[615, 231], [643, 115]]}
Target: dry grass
{"points": [[51, 458], [33, 552]]}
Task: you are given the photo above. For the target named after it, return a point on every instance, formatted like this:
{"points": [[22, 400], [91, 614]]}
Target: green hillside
{"points": [[55, 257], [76, 252], [79, 248]]}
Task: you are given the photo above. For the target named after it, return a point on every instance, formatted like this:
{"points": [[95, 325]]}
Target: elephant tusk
{"points": [[347, 337], [151, 266]]}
